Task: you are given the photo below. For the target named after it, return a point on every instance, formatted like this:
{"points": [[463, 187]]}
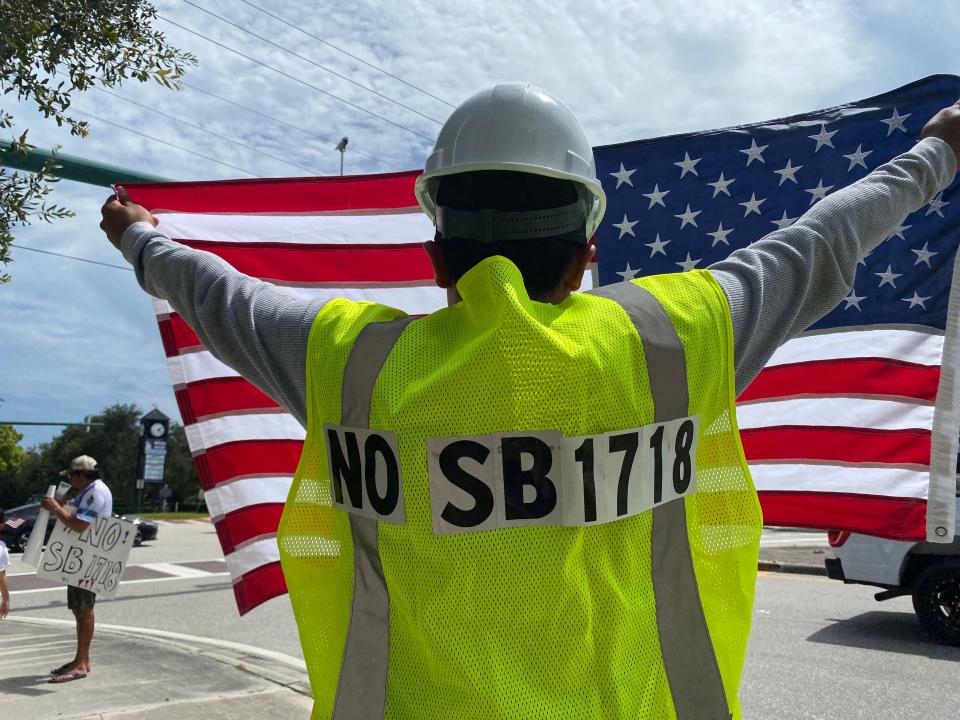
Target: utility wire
{"points": [[308, 60], [296, 79], [351, 55], [165, 142], [209, 132], [285, 123], [72, 257]]}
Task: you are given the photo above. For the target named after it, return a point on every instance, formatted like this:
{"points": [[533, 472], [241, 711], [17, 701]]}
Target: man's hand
{"points": [[946, 126], [119, 213]]}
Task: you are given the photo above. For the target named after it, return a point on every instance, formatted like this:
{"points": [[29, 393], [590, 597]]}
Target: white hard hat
{"points": [[518, 127]]}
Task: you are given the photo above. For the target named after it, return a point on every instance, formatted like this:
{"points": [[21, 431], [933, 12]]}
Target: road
{"points": [[818, 649]]}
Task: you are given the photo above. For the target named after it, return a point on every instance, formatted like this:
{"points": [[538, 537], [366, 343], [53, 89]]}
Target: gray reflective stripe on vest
{"points": [[688, 655], [362, 690]]}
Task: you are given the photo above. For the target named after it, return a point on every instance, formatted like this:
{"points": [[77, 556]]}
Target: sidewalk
{"points": [[144, 676]]}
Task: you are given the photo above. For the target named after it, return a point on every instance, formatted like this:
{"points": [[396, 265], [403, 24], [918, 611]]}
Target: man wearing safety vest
{"points": [[532, 503]]}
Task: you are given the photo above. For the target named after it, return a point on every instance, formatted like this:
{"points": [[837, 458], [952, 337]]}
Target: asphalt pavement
{"points": [[158, 675]]}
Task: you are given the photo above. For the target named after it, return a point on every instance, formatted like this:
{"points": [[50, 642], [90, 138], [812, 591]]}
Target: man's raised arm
{"points": [[788, 280], [246, 323]]}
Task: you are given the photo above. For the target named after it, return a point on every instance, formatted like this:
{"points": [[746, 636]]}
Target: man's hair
{"points": [[543, 262], [1, 516]]}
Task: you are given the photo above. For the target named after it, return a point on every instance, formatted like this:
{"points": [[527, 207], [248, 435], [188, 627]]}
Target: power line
{"points": [[165, 142], [351, 55], [71, 257], [312, 62], [295, 79], [209, 132], [285, 123]]}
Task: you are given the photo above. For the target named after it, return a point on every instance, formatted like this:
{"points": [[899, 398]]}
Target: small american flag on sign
{"points": [[675, 203]]}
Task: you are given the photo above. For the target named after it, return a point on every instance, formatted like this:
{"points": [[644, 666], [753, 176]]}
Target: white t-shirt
{"points": [[95, 499], [4, 557]]}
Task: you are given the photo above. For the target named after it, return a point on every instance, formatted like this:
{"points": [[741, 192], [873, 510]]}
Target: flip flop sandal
{"points": [[68, 676], [62, 669]]}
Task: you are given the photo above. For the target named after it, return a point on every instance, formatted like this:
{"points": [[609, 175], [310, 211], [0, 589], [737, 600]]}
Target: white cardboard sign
{"points": [[93, 560]]}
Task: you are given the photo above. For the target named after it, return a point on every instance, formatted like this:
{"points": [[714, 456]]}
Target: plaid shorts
{"points": [[80, 599]]}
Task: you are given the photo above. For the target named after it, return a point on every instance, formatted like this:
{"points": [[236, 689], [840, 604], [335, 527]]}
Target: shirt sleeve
{"points": [[250, 325], [4, 557], [783, 283]]}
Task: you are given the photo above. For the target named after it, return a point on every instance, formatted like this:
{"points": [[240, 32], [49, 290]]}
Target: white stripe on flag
{"points": [[251, 556], [237, 494], [207, 434], [894, 344], [892, 481], [392, 229], [836, 412], [196, 366]]}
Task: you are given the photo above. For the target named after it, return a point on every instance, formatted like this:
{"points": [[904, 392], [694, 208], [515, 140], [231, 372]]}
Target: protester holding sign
{"points": [[4, 587], [94, 498]]}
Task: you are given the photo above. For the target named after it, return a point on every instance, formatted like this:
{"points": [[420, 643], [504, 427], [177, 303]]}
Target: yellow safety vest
{"points": [[490, 566]]}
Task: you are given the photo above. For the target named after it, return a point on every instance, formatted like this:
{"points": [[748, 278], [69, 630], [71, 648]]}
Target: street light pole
{"points": [[342, 148]]}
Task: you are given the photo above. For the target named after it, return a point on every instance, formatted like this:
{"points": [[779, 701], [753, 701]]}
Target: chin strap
{"points": [[490, 226]]}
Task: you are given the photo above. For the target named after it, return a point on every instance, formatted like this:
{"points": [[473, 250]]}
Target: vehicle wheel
{"points": [[936, 600], [137, 539]]}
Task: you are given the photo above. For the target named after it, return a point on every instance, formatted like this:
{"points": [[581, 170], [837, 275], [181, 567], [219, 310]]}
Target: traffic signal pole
{"points": [[72, 167]]}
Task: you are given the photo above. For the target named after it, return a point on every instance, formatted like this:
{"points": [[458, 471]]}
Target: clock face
{"points": [[157, 429]]}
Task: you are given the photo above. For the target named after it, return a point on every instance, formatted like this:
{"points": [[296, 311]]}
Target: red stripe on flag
{"points": [[222, 395], [247, 457], [177, 335], [889, 517], [339, 264], [259, 585], [247, 523], [838, 444], [846, 376], [280, 195]]}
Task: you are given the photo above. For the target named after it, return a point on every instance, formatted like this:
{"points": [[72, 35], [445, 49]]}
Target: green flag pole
{"points": [[72, 167]]}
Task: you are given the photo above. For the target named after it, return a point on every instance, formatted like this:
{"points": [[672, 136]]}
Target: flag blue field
{"points": [[686, 201]]}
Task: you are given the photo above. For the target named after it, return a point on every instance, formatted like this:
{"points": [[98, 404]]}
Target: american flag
{"points": [[360, 238], [838, 427], [15, 522]]}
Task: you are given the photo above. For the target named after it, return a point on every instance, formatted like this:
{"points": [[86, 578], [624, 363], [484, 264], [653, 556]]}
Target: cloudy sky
{"points": [[76, 337]]}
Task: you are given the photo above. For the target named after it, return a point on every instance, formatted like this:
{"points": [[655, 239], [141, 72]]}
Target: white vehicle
{"points": [[930, 572]]}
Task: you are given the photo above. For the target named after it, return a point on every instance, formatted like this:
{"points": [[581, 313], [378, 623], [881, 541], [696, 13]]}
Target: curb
{"points": [[795, 568]]}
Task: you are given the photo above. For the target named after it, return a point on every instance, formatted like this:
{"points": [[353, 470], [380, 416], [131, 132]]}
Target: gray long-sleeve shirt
{"points": [[776, 287]]}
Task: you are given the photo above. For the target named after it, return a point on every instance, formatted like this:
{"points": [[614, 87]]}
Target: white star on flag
{"points": [[819, 192], [853, 300], [887, 277], [656, 197], [823, 138], [857, 158], [924, 255], [899, 232], [629, 273], [688, 165], [721, 185], [937, 205], [688, 217], [752, 205], [788, 172], [688, 264], [720, 235], [623, 176], [895, 122], [784, 221], [626, 226], [657, 246], [916, 300], [754, 152]]}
